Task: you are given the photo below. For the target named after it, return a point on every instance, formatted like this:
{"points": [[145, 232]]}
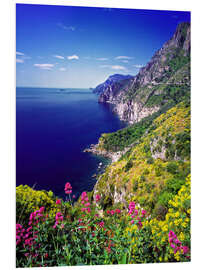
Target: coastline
{"points": [[113, 156]]}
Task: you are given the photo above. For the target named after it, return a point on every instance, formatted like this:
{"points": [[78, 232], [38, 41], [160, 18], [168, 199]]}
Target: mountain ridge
{"points": [[144, 94]]}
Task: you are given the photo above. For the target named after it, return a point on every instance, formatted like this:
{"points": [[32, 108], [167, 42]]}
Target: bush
{"points": [[164, 198], [28, 200], [172, 167], [174, 184], [128, 165]]}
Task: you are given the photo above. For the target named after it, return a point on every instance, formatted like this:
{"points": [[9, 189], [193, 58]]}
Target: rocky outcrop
{"points": [[97, 149], [110, 81], [133, 111], [131, 96]]}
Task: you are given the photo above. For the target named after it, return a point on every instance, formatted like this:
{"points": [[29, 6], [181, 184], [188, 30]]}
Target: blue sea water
{"points": [[53, 127]]}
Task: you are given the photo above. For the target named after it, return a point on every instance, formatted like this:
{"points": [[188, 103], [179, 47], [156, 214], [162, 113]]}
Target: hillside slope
{"points": [[155, 168]]}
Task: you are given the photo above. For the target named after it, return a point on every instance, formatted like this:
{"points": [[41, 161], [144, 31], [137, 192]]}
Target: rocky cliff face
{"points": [[166, 77], [110, 81]]}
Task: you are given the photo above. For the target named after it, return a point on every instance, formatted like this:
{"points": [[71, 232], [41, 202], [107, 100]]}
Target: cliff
{"points": [[110, 81], [165, 78]]}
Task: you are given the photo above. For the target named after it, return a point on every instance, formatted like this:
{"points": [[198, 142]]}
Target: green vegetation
{"points": [[79, 235], [117, 141], [154, 180]]}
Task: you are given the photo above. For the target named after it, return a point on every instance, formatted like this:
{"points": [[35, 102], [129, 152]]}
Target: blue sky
{"points": [[79, 47]]}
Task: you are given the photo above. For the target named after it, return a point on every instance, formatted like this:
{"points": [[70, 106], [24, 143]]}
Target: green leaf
{"points": [[123, 259]]}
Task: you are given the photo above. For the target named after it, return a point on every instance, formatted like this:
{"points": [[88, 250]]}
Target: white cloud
{"points": [[65, 27], [104, 66], [19, 53], [72, 57], [138, 66], [121, 57], [115, 67], [19, 60], [44, 66], [125, 61], [58, 56], [62, 69], [102, 59]]}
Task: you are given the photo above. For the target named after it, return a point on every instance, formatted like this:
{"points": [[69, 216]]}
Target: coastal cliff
{"points": [[145, 93], [151, 156]]}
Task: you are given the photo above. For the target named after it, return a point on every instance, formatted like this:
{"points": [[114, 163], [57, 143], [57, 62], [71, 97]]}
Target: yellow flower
{"points": [[184, 224], [160, 259], [181, 236], [177, 214], [177, 256], [165, 228]]}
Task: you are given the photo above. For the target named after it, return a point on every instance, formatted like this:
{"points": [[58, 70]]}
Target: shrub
{"points": [[28, 200], [128, 165], [174, 184], [164, 198], [172, 167], [150, 160]]}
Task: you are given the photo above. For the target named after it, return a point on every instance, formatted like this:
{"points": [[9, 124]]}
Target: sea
{"points": [[53, 127]]}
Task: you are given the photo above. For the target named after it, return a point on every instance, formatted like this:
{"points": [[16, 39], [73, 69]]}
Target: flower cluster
{"points": [[27, 238], [84, 197], [58, 201], [36, 216], [176, 244], [134, 213], [58, 220], [97, 197], [19, 233], [68, 188], [112, 212], [101, 224], [85, 202]]}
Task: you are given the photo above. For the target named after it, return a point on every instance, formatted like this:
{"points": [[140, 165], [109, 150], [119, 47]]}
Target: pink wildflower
{"points": [[185, 249], [172, 245], [97, 197], [117, 211], [41, 209], [143, 212], [68, 188], [87, 204], [58, 201], [112, 212], [101, 224]]}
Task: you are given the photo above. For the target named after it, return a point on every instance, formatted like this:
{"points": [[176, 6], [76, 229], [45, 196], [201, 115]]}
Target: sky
{"points": [[80, 47]]}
